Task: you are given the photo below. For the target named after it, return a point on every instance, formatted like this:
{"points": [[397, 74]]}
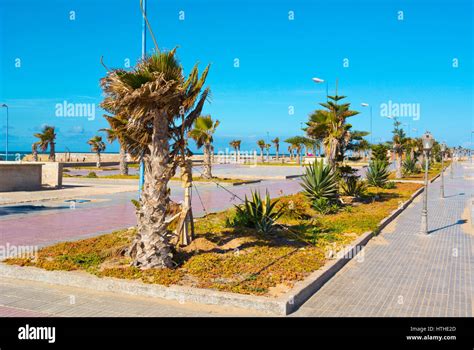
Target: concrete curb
{"points": [[283, 305]]}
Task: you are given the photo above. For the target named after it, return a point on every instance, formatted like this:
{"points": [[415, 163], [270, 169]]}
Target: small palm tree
{"points": [[47, 138], [202, 133], [235, 144], [399, 143], [276, 143], [261, 144], [290, 151], [34, 151], [267, 149], [97, 146], [116, 134]]}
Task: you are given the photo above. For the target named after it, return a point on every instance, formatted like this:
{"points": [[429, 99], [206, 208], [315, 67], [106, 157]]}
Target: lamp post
{"points": [[141, 170], [470, 147], [6, 132], [370, 107], [443, 150], [427, 140]]}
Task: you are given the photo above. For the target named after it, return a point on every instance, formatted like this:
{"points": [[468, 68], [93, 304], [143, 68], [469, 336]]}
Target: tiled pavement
{"points": [[20, 298], [403, 273]]}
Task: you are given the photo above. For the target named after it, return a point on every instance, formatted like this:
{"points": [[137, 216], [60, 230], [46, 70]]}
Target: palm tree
{"points": [[297, 143], [330, 126], [276, 143], [202, 133], [399, 140], [261, 144], [117, 134], [97, 146], [159, 104], [267, 148], [34, 151], [235, 144], [47, 138], [290, 151]]}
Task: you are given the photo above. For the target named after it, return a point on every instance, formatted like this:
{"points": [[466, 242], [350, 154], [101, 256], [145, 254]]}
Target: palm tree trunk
{"points": [[333, 143], [151, 247], [98, 160], [261, 155], [35, 155], [123, 161], [207, 171], [52, 152], [277, 155], [399, 165], [238, 155]]}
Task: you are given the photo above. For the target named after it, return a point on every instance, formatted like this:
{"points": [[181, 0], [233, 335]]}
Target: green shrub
{"points": [[390, 185], [377, 173], [257, 213], [325, 206], [352, 186], [409, 166], [319, 181], [92, 174]]}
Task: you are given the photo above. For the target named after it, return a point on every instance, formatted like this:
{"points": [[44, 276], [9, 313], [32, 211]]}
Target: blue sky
{"points": [[403, 61]]}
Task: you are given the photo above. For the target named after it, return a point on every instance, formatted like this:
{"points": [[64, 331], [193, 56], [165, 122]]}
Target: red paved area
{"points": [[71, 224]]}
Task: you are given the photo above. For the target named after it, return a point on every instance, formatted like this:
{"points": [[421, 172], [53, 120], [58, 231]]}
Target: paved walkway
{"points": [[403, 273], [33, 299]]}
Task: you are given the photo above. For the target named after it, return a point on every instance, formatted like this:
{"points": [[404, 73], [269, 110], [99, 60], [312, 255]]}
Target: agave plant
{"points": [[257, 213], [352, 186], [409, 166], [377, 173], [319, 181]]}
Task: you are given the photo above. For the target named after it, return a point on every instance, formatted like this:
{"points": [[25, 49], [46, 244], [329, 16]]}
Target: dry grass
{"points": [[233, 259]]}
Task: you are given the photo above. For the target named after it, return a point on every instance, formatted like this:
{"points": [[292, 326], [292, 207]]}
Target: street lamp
{"points": [[370, 107], [6, 137], [443, 150], [141, 169], [427, 141], [470, 147]]}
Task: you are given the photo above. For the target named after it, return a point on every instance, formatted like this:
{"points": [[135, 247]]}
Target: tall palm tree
{"points": [[330, 125], [47, 138], [398, 145], [235, 144], [276, 143], [97, 146], [117, 134], [159, 104], [261, 144], [202, 132]]}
